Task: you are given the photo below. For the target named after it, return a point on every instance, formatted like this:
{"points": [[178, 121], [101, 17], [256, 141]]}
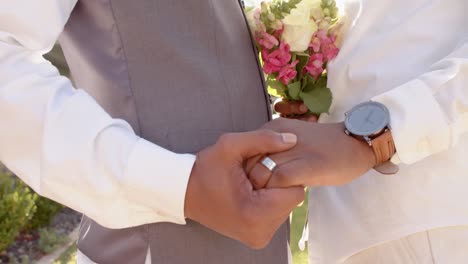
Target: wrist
{"points": [[361, 149], [365, 153], [370, 122]]}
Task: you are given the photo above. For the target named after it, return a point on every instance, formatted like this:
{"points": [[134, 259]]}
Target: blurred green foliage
{"points": [[17, 206], [50, 240], [21, 209], [46, 210]]}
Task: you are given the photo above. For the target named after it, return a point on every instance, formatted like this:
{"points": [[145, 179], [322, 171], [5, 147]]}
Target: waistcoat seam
{"points": [[227, 93], [144, 228], [260, 71], [126, 69]]}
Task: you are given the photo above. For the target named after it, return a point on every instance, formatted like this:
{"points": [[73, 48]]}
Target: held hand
{"points": [[220, 196], [294, 110], [324, 155]]}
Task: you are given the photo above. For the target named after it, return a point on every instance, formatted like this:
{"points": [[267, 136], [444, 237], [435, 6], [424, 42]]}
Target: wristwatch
{"points": [[370, 122]]}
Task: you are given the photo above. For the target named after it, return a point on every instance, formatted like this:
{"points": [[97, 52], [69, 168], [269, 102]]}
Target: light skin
{"points": [[221, 197]]}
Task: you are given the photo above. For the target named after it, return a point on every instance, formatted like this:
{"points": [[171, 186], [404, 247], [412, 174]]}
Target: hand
{"points": [[324, 155], [220, 196], [295, 110]]}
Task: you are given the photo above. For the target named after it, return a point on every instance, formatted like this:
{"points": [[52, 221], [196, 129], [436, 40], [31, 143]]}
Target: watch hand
{"points": [[368, 119]]}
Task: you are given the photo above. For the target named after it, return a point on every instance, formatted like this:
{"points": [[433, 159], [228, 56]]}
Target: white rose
{"points": [[302, 13], [299, 37], [299, 26]]}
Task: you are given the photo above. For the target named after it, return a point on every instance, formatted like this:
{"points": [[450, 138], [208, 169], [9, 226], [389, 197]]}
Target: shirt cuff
{"points": [[419, 126], [158, 179]]}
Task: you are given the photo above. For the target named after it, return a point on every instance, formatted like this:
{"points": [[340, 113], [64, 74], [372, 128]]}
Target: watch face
{"points": [[367, 119]]}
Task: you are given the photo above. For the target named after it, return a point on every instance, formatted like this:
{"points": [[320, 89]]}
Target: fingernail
{"points": [[289, 138], [303, 108]]}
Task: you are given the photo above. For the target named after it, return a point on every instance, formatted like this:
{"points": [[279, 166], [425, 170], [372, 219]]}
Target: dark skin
{"points": [[251, 208], [221, 197], [295, 110], [323, 156]]}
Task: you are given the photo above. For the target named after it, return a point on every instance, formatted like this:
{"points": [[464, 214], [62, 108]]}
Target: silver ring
{"points": [[269, 163]]}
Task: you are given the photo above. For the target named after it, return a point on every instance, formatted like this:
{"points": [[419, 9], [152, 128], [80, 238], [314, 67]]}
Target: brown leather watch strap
{"points": [[384, 149]]}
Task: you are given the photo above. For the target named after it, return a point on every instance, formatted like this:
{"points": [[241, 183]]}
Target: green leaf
{"points": [[302, 63], [305, 82], [303, 54], [312, 84], [330, 7], [318, 100], [294, 90], [276, 93], [276, 88], [282, 8]]}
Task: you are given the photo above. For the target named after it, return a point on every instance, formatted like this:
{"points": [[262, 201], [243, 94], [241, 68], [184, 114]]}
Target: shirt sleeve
{"points": [[64, 145], [430, 113]]}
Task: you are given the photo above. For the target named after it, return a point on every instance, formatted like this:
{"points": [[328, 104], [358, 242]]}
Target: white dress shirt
{"points": [[64, 145], [411, 56]]}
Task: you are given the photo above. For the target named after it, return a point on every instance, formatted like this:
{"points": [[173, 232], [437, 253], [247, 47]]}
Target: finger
{"points": [[313, 118], [259, 175], [260, 142], [282, 107], [282, 125], [250, 163], [309, 118], [291, 108], [274, 206], [297, 173], [279, 201]]}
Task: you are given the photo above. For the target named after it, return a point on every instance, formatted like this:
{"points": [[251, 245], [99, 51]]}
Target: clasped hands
{"points": [[232, 193]]}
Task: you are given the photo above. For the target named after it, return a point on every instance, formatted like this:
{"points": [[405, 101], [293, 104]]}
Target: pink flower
{"points": [[284, 52], [278, 32], [256, 15], [261, 26], [322, 41], [266, 40], [315, 44], [253, 19], [315, 65], [288, 72], [330, 51], [276, 60], [272, 65], [322, 35]]}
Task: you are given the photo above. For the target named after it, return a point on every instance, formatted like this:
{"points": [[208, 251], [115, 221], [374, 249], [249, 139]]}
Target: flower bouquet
{"points": [[296, 40]]}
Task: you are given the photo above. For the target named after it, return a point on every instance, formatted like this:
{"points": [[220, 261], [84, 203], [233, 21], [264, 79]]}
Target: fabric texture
{"points": [[439, 246], [154, 78], [83, 259], [182, 74], [68, 144], [411, 56]]}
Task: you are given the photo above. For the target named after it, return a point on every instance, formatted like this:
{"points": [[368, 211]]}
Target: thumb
{"points": [[260, 142]]}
